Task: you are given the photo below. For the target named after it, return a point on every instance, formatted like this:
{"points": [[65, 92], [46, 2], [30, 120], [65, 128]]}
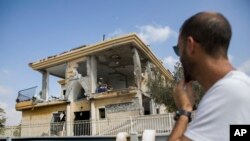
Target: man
{"points": [[202, 46]]}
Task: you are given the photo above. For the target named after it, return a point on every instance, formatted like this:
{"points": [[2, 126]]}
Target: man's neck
{"points": [[213, 70]]}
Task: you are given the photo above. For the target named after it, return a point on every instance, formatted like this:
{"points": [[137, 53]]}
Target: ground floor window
{"points": [[102, 113], [57, 123]]}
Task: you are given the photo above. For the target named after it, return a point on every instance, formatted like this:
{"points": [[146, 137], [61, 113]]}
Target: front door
{"points": [[82, 123]]}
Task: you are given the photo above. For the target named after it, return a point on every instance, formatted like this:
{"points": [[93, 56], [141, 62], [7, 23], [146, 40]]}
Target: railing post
{"points": [[98, 127], [131, 124], [170, 121], [29, 128], [51, 125]]}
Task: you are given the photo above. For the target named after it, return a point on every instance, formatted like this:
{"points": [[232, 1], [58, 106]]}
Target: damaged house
{"points": [[99, 82]]}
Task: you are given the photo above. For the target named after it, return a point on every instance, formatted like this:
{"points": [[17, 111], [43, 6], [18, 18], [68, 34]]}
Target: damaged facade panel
{"points": [[103, 81]]}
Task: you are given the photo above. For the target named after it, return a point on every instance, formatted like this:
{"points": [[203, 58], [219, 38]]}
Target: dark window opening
{"points": [[81, 94], [157, 111], [82, 68], [64, 92], [59, 117], [102, 114], [82, 115], [146, 112], [146, 105]]}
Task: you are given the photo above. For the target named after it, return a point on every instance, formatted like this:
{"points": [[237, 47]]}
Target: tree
{"points": [[2, 121], [161, 89]]}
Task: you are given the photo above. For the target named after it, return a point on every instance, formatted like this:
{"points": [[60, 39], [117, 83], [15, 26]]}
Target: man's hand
{"points": [[184, 99], [184, 96]]}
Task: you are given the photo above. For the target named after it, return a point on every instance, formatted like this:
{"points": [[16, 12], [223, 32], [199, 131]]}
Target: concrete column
{"points": [[45, 85], [92, 72], [69, 125], [137, 73], [137, 67], [93, 117], [152, 107], [92, 75]]}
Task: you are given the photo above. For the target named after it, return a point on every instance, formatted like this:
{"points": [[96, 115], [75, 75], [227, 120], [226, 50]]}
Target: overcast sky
{"points": [[34, 29]]}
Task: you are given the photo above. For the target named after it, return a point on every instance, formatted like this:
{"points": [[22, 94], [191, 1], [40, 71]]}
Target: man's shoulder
{"points": [[234, 87], [234, 79]]}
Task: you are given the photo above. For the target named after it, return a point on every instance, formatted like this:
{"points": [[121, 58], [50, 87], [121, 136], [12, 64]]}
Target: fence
{"points": [[163, 124]]}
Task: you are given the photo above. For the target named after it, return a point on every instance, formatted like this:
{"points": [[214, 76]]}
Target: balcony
{"points": [[27, 99]]}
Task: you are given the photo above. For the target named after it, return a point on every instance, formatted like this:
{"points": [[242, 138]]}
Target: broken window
{"points": [[57, 122], [58, 117], [81, 94]]}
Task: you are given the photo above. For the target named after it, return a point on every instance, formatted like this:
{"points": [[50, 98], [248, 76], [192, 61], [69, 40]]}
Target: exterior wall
{"points": [[115, 107], [81, 105], [146, 75], [71, 68], [101, 103], [110, 121], [40, 118], [74, 81]]}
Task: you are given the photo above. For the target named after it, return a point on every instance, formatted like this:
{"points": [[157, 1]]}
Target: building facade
{"points": [[104, 81]]}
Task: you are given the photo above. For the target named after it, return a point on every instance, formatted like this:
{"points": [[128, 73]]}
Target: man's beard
{"points": [[187, 67]]}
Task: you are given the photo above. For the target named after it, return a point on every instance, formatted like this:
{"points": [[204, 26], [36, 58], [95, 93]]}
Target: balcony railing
{"points": [[26, 94], [163, 124]]}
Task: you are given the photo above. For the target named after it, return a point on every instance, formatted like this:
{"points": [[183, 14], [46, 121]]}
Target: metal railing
{"points": [[26, 94], [163, 124]]}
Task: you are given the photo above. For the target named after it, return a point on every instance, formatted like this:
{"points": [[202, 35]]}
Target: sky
{"points": [[34, 29]]}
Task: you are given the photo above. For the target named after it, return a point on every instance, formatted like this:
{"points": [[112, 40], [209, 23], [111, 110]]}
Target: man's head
{"points": [[205, 32]]}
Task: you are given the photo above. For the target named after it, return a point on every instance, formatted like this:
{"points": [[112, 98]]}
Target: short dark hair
{"points": [[211, 30]]}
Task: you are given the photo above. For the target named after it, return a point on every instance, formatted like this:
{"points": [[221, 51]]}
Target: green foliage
{"points": [[161, 89], [2, 121], [17, 131], [178, 72]]}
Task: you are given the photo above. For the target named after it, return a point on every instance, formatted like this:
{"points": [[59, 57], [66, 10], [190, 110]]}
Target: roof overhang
{"points": [[132, 39]]}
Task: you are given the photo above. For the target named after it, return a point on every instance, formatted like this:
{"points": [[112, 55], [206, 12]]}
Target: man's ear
{"points": [[190, 45]]}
